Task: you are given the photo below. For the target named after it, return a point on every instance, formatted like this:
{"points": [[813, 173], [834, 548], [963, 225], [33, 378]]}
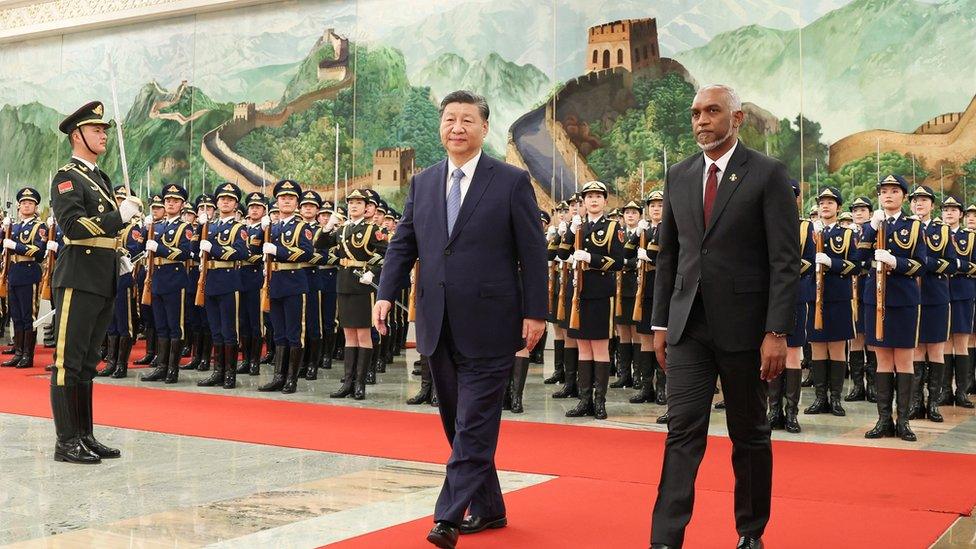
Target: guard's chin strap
{"points": [[85, 141]]}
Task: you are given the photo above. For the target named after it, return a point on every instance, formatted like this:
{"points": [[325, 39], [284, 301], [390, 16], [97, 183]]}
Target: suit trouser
{"points": [[470, 393], [80, 321], [168, 311], [21, 299], [693, 364], [223, 318], [250, 313], [288, 320]]}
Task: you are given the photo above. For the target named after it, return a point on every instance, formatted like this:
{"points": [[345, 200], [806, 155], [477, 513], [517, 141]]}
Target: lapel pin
{"points": [[733, 177]]}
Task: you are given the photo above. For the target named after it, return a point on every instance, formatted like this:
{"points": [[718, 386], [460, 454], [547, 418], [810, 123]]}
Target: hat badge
{"points": [[733, 177], [98, 110], [890, 179], [172, 189]]}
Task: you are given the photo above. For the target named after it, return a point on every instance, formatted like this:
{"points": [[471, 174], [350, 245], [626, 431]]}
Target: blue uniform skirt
{"points": [[933, 325], [596, 318], [900, 327], [644, 324], [961, 316], [799, 336], [838, 322]]}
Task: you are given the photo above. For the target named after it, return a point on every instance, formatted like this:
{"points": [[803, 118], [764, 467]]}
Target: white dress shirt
{"points": [[722, 163], [85, 162], [468, 169]]}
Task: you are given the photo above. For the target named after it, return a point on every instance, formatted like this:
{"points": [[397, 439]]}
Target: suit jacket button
{"points": [[87, 252], [441, 284], [447, 251], [704, 251]]}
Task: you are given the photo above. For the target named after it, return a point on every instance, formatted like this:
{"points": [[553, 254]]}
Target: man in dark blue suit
{"points": [[473, 223]]}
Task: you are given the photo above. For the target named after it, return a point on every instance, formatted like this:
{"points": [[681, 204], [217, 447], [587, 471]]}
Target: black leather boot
{"points": [[364, 360], [49, 339], [646, 393], [217, 375], [30, 343], [936, 373], [774, 398], [349, 375], [884, 385], [328, 344], [314, 348], [161, 365], [256, 343], [190, 338], [111, 356], [857, 377], [538, 354], [792, 393], [294, 364], [916, 410], [278, 380], [194, 344], [173, 372], [507, 396], [520, 370], [612, 347], [379, 357], [269, 345], [807, 376], [902, 428], [64, 408], [946, 395], [838, 370], [230, 366], [18, 350], [625, 358], [870, 371], [86, 425], [245, 364], [571, 366], [660, 383], [601, 381], [122, 363], [962, 380], [558, 358], [820, 403], [150, 348], [426, 386], [972, 371], [584, 377], [206, 351], [636, 373]]}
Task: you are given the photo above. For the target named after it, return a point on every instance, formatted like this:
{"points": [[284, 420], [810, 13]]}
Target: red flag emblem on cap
{"points": [[64, 187]]}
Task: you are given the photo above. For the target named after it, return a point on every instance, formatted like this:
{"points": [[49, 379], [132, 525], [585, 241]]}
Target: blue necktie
{"points": [[454, 199]]}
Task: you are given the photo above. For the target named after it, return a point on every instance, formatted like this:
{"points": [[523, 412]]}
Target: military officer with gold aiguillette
{"points": [[85, 280]]}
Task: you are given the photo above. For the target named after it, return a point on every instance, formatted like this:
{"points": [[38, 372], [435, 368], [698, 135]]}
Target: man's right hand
{"points": [[380, 311], [660, 347]]}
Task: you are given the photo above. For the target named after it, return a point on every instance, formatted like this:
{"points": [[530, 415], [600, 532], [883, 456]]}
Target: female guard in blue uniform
{"points": [[788, 383], [940, 264], [961, 292], [224, 249], [902, 261], [26, 251], [199, 339], [839, 262], [862, 360]]}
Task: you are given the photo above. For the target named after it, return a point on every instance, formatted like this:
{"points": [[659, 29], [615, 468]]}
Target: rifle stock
{"points": [[150, 268], [198, 299], [6, 265], [879, 289], [48, 268], [412, 303], [641, 281], [266, 288], [818, 304], [574, 314]]}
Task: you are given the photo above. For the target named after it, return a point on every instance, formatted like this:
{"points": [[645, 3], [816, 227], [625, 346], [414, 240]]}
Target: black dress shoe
{"points": [[443, 535], [749, 542], [475, 524], [660, 546]]}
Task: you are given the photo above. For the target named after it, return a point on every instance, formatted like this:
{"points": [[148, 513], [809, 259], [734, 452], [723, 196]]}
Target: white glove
{"points": [[877, 219], [562, 228], [823, 259], [52, 246], [642, 254], [582, 255], [129, 208], [205, 246], [886, 257], [643, 225], [413, 277], [367, 278], [577, 221], [265, 222], [125, 265], [151, 246], [5, 223], [551, 233], [331, 223], [50, 221], [269, 249], [202, 217], [147, 221], [818, 226], [9, 244]]}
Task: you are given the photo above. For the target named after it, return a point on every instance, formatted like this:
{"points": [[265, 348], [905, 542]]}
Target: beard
{"points": [[715, 144]]}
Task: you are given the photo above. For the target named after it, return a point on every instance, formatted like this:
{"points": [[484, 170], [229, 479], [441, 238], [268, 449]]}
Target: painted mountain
{"points": [[871, 64]]}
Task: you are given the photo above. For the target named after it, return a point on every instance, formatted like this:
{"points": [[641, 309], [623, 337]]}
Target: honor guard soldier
{"points": [[121, 330], [628, 346], [252, 278], [199, 339], [328, 273], [171, 246], [900, 259], [933, 324], [289, 250], [961, 294], [565, 298], [555, 275], [157, 212], [308, 208], [358, 247], [646, 258], [25, 251], [84, 281], [269, 339], [838, 261], [788, 383], [225, 247], [814, 214], [862, 360], [600, 254]]}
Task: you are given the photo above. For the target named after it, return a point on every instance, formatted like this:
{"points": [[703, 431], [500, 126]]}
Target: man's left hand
{"points": [[773, 357], [532, 329]]}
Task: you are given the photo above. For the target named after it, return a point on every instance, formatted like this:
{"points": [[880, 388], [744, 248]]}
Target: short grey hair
{"points": [[733, 102], [465, 96]]}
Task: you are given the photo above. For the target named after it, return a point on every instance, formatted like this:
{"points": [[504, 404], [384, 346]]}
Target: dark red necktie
{"points": [[711, 189]]}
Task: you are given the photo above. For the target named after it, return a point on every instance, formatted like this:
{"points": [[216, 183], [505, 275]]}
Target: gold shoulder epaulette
{"points": [[67, 167]]}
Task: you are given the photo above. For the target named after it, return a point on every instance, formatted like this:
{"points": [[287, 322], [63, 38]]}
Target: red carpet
{"points": [[609, 476]]}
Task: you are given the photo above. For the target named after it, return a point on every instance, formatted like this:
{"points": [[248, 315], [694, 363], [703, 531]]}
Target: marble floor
{"points": [[177, 491]]}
